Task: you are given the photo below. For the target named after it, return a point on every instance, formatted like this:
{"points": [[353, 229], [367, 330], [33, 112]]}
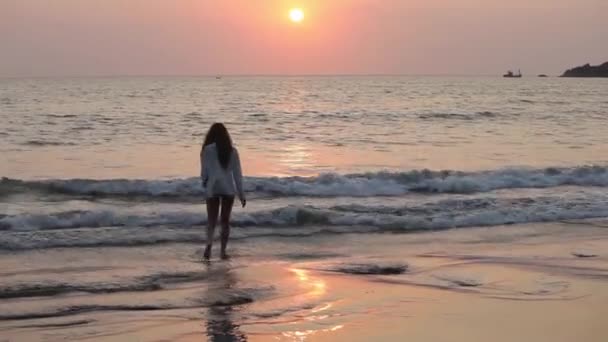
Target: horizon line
{"points": [[254, 75]]}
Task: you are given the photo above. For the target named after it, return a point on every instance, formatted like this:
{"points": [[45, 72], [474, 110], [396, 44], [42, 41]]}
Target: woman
{"points": [[220, 171]]}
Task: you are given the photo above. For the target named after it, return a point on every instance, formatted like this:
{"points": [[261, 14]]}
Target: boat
{"points": [[511, 74]]}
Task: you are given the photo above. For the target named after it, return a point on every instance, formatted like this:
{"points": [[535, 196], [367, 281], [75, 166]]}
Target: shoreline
{"points": [[503, 284]]}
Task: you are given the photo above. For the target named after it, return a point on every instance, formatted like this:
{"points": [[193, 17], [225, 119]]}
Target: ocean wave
{"points": [[45, 290], [81, 309], [225, 298], [152, 282], [61, 116], [330, 185], [286, 216], [93, 219], [458, 116], [48, 143], [118, 237], [116, 228]]}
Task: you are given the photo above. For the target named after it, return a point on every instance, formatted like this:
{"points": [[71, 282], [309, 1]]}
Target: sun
{"points": [[296, 15]]}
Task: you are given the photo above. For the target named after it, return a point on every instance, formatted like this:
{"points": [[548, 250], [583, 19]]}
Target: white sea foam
{"points": [[434, 215], [332, 185]]}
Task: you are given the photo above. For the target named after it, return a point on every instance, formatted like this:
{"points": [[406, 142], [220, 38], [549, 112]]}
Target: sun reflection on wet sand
{"points": [[302, 335], [322, 308], [318, 288], [317, 285]]}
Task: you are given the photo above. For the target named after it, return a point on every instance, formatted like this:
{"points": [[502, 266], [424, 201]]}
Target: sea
{"points": [[100, 192]]}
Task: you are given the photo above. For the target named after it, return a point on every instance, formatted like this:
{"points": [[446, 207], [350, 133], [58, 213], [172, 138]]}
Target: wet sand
{"points": [[540, 282]]}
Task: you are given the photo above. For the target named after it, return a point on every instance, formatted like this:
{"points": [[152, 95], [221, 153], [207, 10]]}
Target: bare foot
{"points": [[225, 256], [207, 253]]}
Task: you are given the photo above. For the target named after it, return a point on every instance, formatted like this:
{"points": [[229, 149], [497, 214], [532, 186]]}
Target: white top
{"points": [[220, 181]]}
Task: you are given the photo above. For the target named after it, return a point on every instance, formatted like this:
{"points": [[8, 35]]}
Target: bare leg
{"points": [[213, 208], [227, 203]]}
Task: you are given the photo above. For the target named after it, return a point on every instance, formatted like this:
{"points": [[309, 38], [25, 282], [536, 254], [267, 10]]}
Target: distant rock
{"points": [[542, 75], [588, 70]]}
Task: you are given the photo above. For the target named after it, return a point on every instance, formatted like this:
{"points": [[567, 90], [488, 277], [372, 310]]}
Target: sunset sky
{"points": [[202, 37]]}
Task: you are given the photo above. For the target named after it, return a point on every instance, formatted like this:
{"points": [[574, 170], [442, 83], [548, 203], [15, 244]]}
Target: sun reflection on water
{"points": [[296, 157]]}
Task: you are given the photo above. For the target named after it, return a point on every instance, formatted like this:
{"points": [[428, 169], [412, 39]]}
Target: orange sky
{"points": [[196, 37]]}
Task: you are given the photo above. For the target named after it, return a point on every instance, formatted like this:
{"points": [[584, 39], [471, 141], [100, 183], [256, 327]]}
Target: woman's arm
{"points": [[204, 171], [237, 174]]}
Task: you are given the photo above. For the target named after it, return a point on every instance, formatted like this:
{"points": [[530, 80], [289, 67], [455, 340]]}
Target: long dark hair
{"points": [[219, 135]]}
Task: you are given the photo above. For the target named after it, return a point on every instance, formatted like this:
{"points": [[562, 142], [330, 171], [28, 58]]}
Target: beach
{"points": [[500, 283], [379, 208]]}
